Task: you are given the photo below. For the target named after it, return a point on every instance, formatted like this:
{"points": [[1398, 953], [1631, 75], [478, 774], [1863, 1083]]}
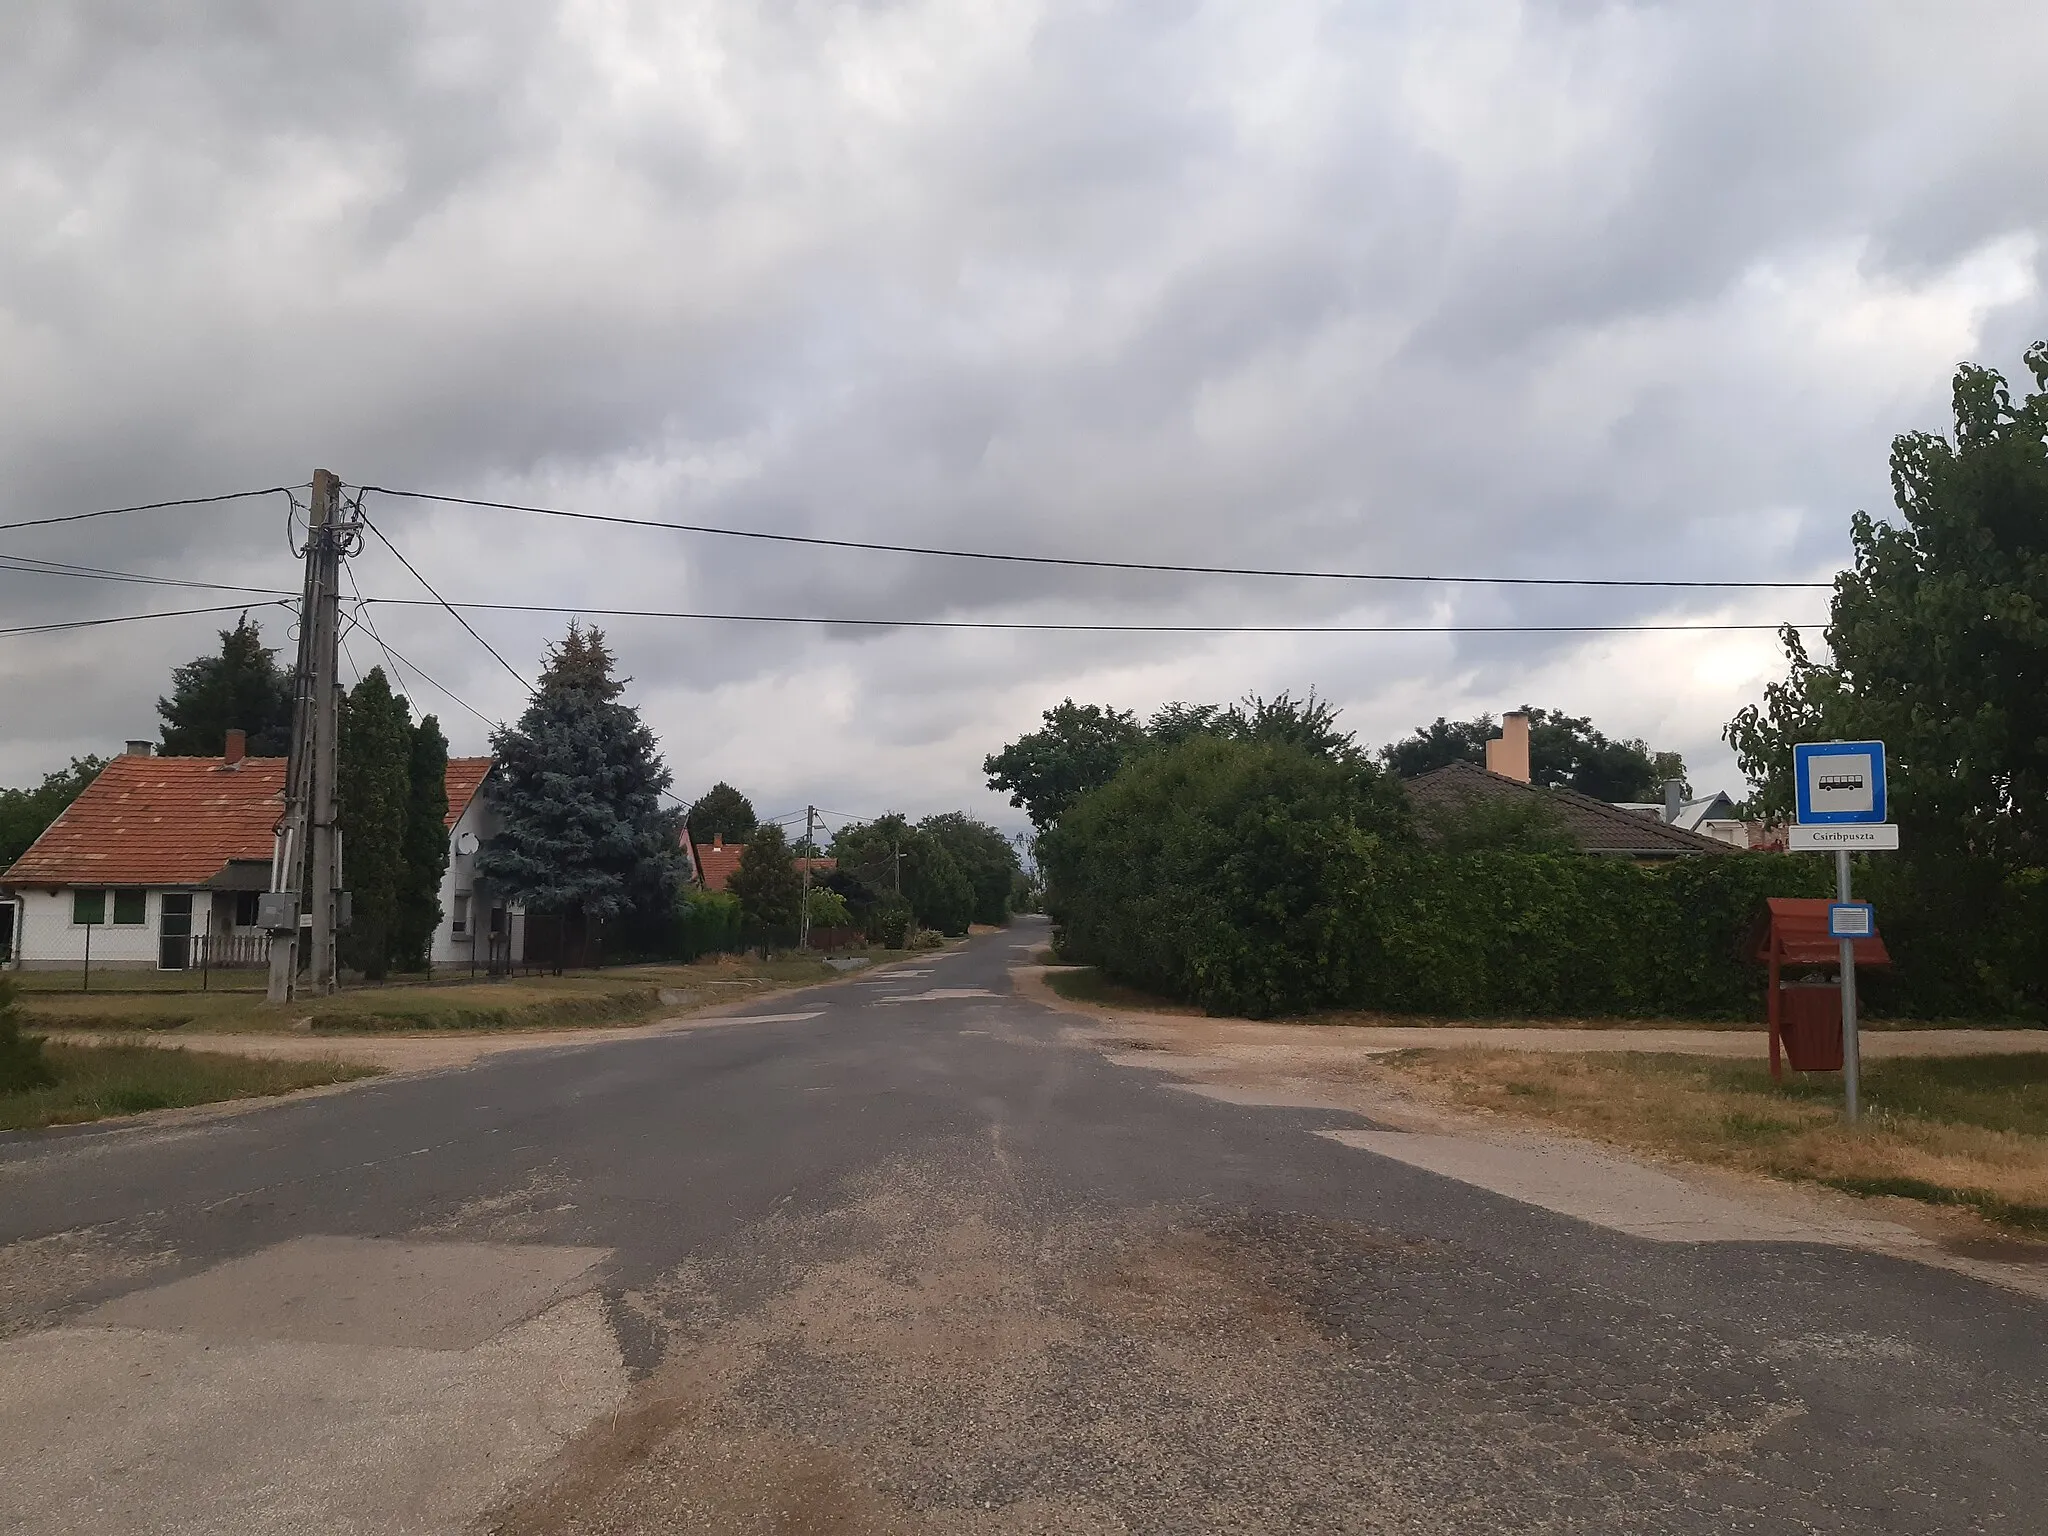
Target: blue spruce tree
{"points": [[584, 837]]}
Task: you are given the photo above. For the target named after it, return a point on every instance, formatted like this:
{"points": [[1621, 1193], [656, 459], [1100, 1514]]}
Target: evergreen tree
{"points": [[373, 784], [724, 812], [243, 688], [769, 887], [425, 850], [578, 789]]}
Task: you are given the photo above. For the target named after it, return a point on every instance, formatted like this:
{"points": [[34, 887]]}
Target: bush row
{"points": [[1259, 880]]}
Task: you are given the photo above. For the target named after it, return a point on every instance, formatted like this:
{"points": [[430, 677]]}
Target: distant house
{"points": [[476, 926], [1712, 816], [158, 865], [1623, 831], [713, 864]]}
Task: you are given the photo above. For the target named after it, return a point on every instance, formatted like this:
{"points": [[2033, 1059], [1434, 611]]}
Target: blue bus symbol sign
{"points": [[1839, 782]]}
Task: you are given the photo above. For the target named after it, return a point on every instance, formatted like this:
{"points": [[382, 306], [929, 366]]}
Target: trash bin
{"points": [[1805, 1016], [1810, 1024]]}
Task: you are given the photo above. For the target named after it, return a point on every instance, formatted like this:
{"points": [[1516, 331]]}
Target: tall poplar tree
{"points": [[418, 911], [373, 783], [578, 790]]}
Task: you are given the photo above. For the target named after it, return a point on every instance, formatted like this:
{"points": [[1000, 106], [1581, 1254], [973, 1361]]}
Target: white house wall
{"points": [[460, 880], [46, 939]]}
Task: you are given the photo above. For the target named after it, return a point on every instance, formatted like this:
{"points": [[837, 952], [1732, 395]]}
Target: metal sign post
{"points": [[1839, 787]]}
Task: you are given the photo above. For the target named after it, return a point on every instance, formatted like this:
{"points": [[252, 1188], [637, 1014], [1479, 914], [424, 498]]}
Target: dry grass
{"points": [[627, 994], [1967, 1131], [95, 1081]]}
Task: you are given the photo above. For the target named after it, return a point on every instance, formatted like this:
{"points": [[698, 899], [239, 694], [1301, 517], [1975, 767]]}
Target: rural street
{"points": [[909, 1253]]}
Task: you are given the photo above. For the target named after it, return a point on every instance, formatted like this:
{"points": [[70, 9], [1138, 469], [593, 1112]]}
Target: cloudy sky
{"points": [[1445, 286]]}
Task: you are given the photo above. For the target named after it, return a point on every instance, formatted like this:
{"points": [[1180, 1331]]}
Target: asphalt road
{"points": [[925, 1260]]}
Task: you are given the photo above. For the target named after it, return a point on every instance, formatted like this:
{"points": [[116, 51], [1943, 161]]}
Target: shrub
{"points": [[22, 1066], [707, 923], [1236, 873]]}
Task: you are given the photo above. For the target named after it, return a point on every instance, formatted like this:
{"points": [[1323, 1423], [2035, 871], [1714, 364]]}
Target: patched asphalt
{"points": [[926, 1260]]}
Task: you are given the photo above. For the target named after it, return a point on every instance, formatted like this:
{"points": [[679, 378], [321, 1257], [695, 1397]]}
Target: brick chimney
{"points": [[237, 748], [1508, 753], [718, 839]]}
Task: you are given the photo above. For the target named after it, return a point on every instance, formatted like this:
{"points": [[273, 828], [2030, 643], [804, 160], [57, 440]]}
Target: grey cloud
{"points": [[1523, 289]]}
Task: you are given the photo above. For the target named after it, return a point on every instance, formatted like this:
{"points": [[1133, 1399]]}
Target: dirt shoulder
{"points": [[1432, 1118], [1198, 1034]]}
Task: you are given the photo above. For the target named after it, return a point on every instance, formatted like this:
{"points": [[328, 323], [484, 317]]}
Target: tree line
{"points": [[1254, 857]]}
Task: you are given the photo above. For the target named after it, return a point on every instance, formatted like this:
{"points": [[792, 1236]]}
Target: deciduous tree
{"points": [[769, 886], [26, 813]]}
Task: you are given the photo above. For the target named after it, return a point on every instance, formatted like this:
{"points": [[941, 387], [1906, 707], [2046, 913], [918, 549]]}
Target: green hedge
{"points": [[1259, 879], [1569, 934]]}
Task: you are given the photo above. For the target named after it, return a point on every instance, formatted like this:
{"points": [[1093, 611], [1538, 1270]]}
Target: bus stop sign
{"points": [[1839, 783]]}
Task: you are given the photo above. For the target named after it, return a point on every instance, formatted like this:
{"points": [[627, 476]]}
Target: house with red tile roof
{"points": [[713, 864], [159, 863]]}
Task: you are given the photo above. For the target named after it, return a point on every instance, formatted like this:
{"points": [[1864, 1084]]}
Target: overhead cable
{"points": [[480, 640], [145, 506], [1078, 562], [34, 567], [1085, 627], [135, 618]]}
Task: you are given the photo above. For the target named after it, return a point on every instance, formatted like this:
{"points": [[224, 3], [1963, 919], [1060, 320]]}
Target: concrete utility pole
{"points": [[803, 922], [306, 867]]}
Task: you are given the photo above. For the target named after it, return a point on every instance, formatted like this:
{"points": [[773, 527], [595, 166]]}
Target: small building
{"points": [[159, 863]]}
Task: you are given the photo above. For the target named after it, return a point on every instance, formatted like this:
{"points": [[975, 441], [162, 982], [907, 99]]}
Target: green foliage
{"points": [[424, 858], [1263, 879], [22, 1065], [243, 688], [1231, 872], [374, 786], [828, 909], [913, 865], [578, 788], [26, 813], [1564, 750], [707, 923], [1548, 933], [767, 883], [984, 856], [1524, 824], [722, 811], [1938, 637], [1080, 748]]}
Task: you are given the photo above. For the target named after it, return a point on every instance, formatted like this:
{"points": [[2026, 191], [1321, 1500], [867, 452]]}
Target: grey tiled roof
{"points": [[1597, 826]]}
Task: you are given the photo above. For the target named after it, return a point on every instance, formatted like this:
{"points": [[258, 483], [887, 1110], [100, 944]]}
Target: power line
{"points": [[133, 618], [146, 506], [480, 640], [29, 565], [1083, 628], [396, 657], [1085, 564]]}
